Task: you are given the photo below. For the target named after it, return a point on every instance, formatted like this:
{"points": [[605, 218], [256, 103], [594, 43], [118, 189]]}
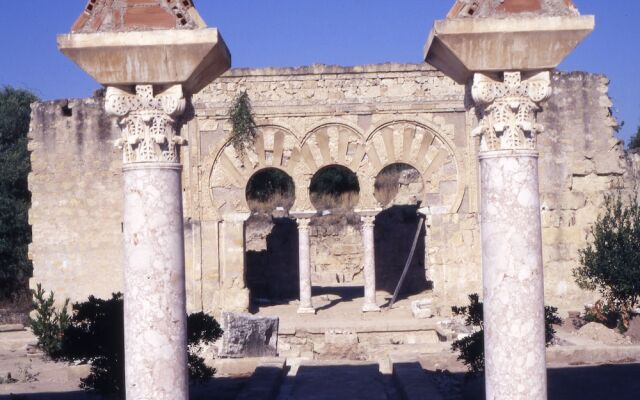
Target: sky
{"points": [[285, 33]]}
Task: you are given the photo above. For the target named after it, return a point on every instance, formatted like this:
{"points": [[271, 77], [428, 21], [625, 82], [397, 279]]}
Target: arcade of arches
{"points": [[355, 201]]}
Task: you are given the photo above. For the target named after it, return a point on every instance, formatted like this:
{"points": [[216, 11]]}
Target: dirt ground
{"points": [[591, 363]]}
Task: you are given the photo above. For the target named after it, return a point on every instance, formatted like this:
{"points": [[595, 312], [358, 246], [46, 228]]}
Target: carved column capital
{"points": [[508, 109], [303, 224], [368, 221], [148, 121]]}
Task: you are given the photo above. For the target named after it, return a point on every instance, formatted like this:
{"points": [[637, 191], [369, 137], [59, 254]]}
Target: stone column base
{"points": [[306, 310], [371, 308]]}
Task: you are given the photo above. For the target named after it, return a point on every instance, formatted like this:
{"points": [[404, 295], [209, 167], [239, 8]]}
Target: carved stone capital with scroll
{"points": [[149, 122], [508, 109]]}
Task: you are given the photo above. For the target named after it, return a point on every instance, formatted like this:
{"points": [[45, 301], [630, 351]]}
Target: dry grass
{"points": [[278, 199], [386, 187], [340, 202]]}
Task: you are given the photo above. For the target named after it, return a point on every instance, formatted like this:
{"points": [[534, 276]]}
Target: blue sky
{"points": [[302, 32]]}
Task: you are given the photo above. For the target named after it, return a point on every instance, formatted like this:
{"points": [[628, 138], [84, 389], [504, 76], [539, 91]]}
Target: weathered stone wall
{"points": [[76, 199], [364, 118], [580, 161]]}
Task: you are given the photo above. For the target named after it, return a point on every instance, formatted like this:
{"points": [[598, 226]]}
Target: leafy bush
{"points": [[202, 329], [49, 324], [96, 335], [243, 133], [471, 348], [611, 263], [15, 199]]}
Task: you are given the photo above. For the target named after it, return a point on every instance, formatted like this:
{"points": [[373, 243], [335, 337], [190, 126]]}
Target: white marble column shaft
{"points": [[154, 283], [368, 242], [514, 336], [304, 263], [512, 277], [155, 317]]}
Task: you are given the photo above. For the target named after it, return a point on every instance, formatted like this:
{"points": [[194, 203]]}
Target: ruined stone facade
{"points": [[364, 118]]}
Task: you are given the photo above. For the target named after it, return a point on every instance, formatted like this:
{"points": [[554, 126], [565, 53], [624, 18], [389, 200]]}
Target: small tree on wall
{"points": [[611, 263], [243, 134], [634, 143]]}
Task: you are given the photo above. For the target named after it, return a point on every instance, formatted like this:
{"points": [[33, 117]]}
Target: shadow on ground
{"points": [[360, 381], [343, 293], [216, 389], [620, 382]]}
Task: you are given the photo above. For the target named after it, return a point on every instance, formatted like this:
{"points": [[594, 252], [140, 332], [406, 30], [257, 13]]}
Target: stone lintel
{"points": [[373, 212], [192, 58], [462, 46], [302, 214]]}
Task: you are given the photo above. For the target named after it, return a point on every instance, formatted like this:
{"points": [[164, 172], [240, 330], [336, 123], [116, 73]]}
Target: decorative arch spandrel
{"points": [[274, 147], [423, 146]]}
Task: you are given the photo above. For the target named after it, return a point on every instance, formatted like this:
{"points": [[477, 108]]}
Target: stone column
{"points": [[304, 263], [511, 234], [369, 258], [234, 294], [154, 272]]}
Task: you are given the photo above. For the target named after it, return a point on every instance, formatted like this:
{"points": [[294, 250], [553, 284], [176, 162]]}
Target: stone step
{"points": [[349, 344], [372, 325]]}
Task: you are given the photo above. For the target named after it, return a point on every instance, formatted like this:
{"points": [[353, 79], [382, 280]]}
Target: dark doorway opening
{"points": [[271, 239], [399, 187], [394, 233]]}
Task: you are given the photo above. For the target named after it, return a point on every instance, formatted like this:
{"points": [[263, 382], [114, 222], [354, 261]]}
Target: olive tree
{"points": [[610, 263]]}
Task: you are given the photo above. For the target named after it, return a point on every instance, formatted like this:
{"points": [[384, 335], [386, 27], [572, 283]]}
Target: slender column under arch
{"points": [[369, 258], [304, 263]]}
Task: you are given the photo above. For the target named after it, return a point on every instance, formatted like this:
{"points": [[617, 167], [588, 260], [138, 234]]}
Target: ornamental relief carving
{"points": [[148, 123], [508, 110], [398, 141]]}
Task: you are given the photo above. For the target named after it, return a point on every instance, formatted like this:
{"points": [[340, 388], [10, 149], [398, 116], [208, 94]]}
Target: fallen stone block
{"points": [[246, 335], [421, 309]]}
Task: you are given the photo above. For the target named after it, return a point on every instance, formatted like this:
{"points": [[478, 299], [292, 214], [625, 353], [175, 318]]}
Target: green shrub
{"points": [[96, 335], [611, 262], [48, 323], [202, 329], [471, 348]]}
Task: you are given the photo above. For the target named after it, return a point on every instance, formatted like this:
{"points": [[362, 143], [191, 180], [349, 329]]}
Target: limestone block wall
{"points": [[580, 160], [76, 191], [364, 118]]}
